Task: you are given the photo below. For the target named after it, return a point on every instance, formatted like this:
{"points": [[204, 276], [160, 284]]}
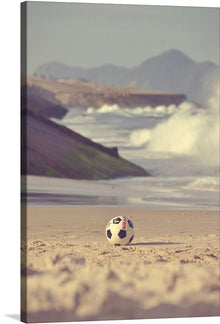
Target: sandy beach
{"points": [[171, 268]]}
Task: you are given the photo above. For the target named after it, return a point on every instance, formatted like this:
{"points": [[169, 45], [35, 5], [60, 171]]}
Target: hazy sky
{"points": [[88, 35]]}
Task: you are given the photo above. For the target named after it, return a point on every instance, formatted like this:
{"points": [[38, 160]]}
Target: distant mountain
{"points": [[105, 74], [172, 71], [49, 149]]}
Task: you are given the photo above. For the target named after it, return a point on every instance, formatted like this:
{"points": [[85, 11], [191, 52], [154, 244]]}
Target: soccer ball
{"points": [[120, 230]]}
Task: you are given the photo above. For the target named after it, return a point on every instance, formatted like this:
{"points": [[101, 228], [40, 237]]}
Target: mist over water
{"points": [[178, 145]]}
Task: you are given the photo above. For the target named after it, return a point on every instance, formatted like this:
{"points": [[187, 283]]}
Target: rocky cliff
{"points": [[49, 149], [42, 102], [80, 93]]}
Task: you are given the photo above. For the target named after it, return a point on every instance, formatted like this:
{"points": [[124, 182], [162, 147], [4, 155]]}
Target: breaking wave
{"points": [[188, 131], [158, 111], [104, 109]]}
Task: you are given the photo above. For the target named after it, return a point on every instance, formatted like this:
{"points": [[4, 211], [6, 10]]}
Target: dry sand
{"points": [[171, 269]]}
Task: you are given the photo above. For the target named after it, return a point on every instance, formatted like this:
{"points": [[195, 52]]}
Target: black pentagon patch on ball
{"points": [[131, 239], [117, 220], [122, 233], [130, 223], [109, 233]]}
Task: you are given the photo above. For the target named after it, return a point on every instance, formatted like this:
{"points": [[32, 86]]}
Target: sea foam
{"points": [[188, 131]]}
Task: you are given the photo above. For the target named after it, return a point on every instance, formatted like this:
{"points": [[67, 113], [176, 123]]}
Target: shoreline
{"points": [[151, 193]]}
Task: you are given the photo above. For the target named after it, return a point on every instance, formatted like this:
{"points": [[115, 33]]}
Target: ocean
{"points": [[178, 145]]}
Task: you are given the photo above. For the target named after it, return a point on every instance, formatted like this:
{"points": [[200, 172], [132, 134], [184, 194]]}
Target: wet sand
{"points": [[171, 268]]}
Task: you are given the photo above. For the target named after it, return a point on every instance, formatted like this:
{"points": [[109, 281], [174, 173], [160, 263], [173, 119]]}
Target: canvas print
{"points": [[120, 162]]}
